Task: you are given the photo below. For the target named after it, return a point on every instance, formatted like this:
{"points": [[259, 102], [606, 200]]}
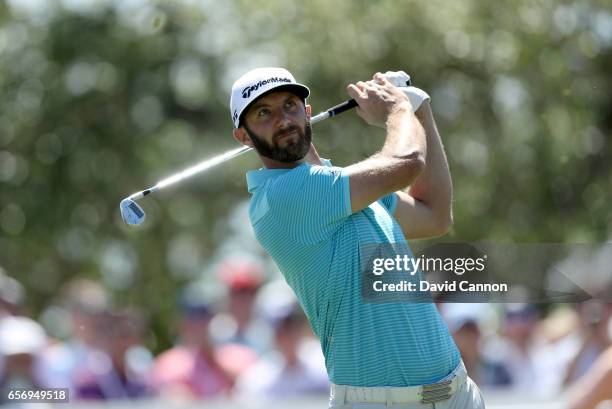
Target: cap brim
{"points": [[300, 90]]}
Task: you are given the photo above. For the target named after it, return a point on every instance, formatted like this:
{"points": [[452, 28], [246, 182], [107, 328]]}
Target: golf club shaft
{"points": [[217, 160]]}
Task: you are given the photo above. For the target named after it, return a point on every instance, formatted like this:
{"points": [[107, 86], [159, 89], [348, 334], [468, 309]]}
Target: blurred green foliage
{"points": [[102, 98]]}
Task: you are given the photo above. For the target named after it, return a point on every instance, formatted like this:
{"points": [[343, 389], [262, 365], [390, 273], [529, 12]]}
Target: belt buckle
{"points": [[436, 392]]}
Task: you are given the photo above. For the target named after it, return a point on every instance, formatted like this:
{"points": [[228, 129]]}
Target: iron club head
{"points": [[131, 213]]}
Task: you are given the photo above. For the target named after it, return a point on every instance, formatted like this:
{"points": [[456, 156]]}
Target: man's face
{"points": [[278, 127]]}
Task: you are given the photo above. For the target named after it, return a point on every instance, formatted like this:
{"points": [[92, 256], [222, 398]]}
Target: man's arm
{"points": [[425, 209], [595, 386], [402, 158]]}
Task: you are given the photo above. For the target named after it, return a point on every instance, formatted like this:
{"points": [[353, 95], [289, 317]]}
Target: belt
{"points": [[430, 393]]}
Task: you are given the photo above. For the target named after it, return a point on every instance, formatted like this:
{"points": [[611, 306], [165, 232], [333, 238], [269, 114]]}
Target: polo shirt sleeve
{"points": [[389, 202], [310, 202]]}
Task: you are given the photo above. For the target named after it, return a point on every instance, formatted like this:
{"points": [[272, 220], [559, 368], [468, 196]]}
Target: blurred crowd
{"points": [[243, 346], [255, 342]]}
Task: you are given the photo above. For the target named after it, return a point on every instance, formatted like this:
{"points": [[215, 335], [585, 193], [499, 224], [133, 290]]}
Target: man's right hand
{"points": [[377, 99]]}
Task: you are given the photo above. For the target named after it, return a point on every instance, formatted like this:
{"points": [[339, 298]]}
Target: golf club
{"points": [[133, 214]]}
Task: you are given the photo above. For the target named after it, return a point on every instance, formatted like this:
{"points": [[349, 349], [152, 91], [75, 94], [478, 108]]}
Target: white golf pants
{"points": [[456, 391]]}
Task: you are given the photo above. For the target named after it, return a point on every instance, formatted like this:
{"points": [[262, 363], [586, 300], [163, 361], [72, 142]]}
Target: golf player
{"points": [[312, 218]]}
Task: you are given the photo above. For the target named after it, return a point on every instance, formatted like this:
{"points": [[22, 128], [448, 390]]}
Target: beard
{"points": [[293, 152]]}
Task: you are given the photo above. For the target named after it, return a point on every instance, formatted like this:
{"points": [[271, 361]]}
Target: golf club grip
{"points": [[344, 106]]}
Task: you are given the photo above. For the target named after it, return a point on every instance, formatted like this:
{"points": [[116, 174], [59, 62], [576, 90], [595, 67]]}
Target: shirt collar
{"points": [[257, 178]]}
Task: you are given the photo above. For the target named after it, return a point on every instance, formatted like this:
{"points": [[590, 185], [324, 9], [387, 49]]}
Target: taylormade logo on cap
{"points": [[257, 82], [247, 91]]}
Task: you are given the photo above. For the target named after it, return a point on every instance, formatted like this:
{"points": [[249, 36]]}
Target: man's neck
{"points": [[311, 157]]}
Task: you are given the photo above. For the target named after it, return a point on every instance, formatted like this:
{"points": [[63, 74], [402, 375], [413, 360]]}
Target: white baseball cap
{"points": [[257, 82], [21, 335]]}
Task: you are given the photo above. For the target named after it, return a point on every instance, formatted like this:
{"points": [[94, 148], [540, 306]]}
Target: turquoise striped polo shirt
{"points": [[302, 217]]}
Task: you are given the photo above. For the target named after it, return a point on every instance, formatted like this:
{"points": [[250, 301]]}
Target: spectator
{"points": [[118, 368], [240, 336], [242, 280], [595, 386], [535, 362], [560, 342], [464, 321], [594, 319], [519, 332], [190, 370], [83, 301], [292, 370], [21, 342]]}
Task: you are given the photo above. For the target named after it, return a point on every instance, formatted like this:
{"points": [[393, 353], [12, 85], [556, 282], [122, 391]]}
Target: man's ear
{"points": [[308, 111], [242, 137]]}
